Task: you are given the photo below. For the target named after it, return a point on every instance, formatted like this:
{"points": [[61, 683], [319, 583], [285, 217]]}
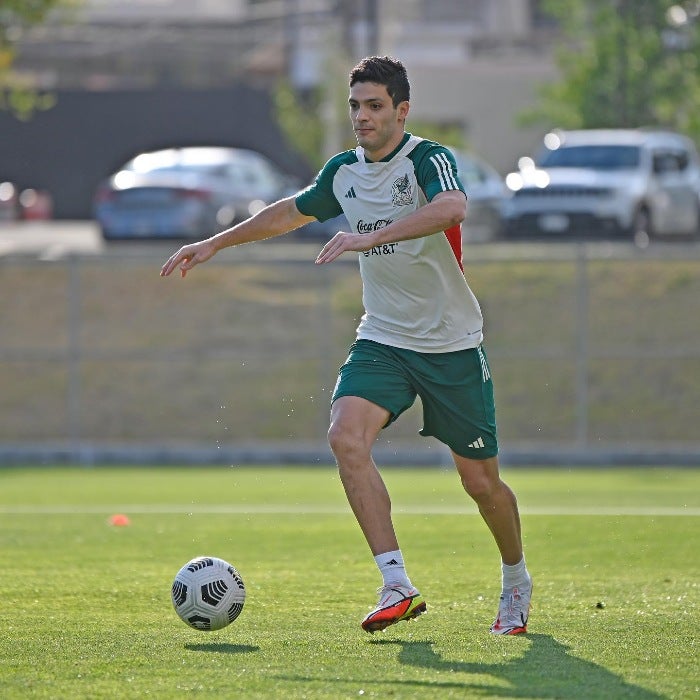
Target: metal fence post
{"points": [[73, 379], [582, 349], [325, 350]]}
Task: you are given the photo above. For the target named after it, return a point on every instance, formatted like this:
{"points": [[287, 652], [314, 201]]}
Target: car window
{"points": [[251, 173], [596, 157], [235, 174], [670, 161], [470, 173], [176, 168], [665, 162], [264, 174], [472, 176]]}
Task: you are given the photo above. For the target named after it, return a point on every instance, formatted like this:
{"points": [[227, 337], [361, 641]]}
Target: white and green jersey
{"points": [[414, 292]]}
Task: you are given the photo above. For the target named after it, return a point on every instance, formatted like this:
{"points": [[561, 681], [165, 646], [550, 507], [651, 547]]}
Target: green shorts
{"points": [[455, 389]]}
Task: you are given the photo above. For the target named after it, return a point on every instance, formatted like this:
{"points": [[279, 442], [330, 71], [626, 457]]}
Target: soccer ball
{"points": [[208, 593]]}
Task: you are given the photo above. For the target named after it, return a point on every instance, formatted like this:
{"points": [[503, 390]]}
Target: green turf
{"points": [[85, 607]]}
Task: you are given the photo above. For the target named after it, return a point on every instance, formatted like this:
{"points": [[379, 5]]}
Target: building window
{"points": [[471, 11]]}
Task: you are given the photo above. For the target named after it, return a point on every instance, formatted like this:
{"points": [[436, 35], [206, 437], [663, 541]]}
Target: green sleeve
{"points": [[318, 199], [436, 169]]}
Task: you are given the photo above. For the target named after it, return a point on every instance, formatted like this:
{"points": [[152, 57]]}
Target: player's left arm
{"points": [[445, 210]]}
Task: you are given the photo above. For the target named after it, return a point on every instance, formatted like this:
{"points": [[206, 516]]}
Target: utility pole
{"points": [[622, 49], [372, 27]]}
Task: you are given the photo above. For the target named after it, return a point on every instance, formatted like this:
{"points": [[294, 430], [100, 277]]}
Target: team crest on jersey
{"points": [[401, 193]]}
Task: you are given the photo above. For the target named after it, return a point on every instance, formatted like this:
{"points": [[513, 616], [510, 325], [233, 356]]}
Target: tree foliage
{"points": [[17, 94], [625, 63], [300, 121]]}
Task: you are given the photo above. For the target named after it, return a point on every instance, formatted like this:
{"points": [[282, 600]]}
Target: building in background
{"points": [[474, 64]]}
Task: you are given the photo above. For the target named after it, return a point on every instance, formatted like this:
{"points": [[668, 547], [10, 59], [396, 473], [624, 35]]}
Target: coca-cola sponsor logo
{"points": [[369, 226]]}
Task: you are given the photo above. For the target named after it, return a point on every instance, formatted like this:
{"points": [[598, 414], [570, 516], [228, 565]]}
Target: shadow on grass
{"points": [[222, 648], [545, 670]]}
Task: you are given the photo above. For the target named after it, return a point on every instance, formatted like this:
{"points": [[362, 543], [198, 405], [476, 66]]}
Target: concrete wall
{"points": [[487, 98]]}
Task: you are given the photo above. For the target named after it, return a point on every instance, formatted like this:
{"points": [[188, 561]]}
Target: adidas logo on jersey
{"points": [[350, 194], [477, 443]]}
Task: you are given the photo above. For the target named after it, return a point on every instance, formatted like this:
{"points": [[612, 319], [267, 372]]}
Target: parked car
{"points": [[24, 205], [187, 192], [622, 181], [486, 193]]}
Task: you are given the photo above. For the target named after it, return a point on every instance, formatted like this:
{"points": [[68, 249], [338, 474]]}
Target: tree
{"points": [[625, 63], [17, 94]]}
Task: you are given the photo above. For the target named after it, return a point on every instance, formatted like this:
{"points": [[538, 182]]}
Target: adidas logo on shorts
{"points": [[477, 443]]}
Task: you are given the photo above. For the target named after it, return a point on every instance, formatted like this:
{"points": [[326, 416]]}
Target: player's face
{"points": [[378, 125]]}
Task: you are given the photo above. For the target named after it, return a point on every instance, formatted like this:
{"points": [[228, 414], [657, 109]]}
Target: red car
{"points": [[29, 204]]}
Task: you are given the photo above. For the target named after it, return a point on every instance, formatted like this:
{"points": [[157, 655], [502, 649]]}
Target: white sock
{"points": [[515, 575], [392, 568]]}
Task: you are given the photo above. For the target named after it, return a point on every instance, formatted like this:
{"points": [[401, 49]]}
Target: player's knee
{"points": [[345, 442], [480, 485]]}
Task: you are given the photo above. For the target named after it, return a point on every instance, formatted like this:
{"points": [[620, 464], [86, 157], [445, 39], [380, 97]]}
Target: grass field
{"points": [[85, 607]]}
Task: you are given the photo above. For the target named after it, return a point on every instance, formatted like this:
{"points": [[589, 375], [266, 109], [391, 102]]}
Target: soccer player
{"points": [[421, 333]]}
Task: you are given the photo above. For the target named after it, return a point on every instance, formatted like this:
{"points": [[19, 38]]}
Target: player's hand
{"points": [[188, 256], [341, 243]]}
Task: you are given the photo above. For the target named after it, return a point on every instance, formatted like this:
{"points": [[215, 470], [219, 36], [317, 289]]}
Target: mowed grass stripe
{"points": [[316, 509]]}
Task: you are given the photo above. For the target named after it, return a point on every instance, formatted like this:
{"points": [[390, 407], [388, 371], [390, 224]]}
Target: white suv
{"points": [[632, 181]]}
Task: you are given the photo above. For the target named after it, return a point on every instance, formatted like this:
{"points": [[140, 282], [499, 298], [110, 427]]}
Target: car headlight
{"points": [[514, 182], [255, 206]]}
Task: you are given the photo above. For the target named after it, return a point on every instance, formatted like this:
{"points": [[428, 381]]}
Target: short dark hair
{"points": [[383, 70]]}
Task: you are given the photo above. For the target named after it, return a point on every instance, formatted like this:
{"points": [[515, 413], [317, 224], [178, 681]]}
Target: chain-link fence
{"points": [[595, 352]]}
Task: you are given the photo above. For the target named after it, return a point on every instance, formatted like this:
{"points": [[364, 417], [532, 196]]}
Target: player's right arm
{"points": [[274, 220]]}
